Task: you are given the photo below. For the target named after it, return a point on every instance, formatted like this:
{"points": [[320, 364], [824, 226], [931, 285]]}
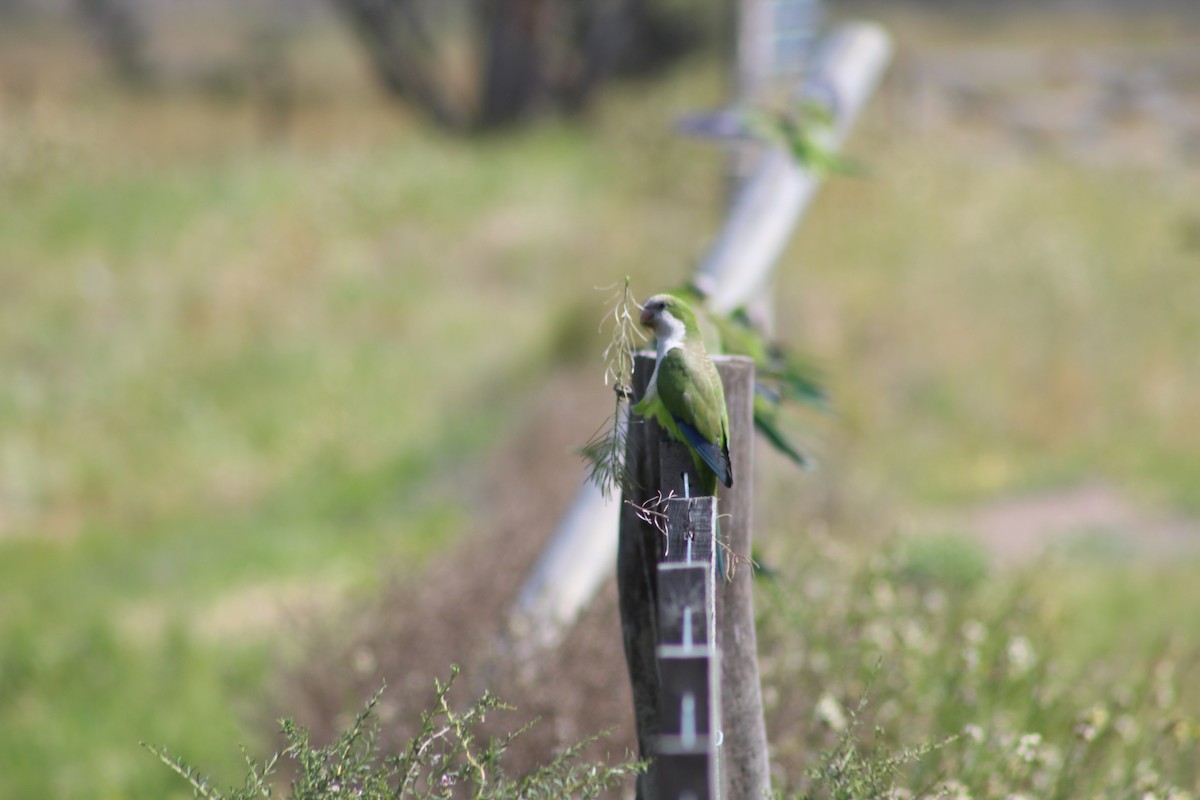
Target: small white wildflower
{"points": [[914, 635], [1051, 759], [953, 790], [1027, 747], [974, 631], [1021, 655], [971, 658], [878, 633], [1092, 723], [1181, 731], [364, 661], [883, 596], [1147, 778], [973, 732], [829, 711], [1127, 726], [935, 601]]}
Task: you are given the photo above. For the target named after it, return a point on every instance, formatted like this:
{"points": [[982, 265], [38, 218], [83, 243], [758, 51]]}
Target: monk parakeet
{"points": [[685, 393], [778, 376]]}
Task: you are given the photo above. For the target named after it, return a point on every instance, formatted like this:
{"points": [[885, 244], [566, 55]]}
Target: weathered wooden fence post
{"points": [[656, 467], [686, 759], [639, 550]]}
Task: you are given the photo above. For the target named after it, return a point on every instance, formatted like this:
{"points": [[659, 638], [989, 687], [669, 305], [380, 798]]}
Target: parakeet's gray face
{"points": [[668, 329], [651, 312]]}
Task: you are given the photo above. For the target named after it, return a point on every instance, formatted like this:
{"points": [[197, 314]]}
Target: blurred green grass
{"points": [[1006, 324], [235, 363], [245, 375]]}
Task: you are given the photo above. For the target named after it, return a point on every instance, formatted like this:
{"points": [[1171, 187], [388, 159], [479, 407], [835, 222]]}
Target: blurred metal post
{"points": [[753, 51], [579, 557], [774, 44], [773, 50], [583, 548], [777, 192], [796, 24]]}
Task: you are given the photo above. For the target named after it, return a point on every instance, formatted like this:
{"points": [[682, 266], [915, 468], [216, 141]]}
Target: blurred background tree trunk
{"points": [[120, 36], [515, 35], [395, 37], [524, 56]]}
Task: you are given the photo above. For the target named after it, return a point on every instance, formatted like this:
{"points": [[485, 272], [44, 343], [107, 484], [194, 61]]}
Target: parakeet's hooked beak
{"points": [[647, 318]]}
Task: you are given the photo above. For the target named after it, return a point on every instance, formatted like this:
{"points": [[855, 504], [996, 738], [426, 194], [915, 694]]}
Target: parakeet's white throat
{"points": [[669, 330]]}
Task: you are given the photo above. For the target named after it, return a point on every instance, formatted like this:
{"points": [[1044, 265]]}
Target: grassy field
{"points": [[246, 378], [246, 374]]}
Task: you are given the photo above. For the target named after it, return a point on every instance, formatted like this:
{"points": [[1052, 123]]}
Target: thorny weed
{"points": [[444, 760]]}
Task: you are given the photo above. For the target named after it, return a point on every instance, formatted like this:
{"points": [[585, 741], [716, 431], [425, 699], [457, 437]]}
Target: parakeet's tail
{"points": [[708, 454], [767, 426]]}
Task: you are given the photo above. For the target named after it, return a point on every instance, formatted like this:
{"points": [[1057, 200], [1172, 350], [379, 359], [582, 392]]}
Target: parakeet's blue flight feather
{"points": [[716, 457]]}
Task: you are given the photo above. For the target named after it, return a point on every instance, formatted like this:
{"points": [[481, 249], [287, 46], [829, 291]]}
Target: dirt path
{"points": [[457, 610], [1021, 528]]}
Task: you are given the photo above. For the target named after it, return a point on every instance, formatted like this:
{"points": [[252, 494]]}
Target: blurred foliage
{"points": [[246, 376], [955, 561], [972, 690]]}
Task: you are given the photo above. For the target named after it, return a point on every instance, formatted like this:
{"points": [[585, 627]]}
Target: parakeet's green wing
{"points": [[690, 390]]}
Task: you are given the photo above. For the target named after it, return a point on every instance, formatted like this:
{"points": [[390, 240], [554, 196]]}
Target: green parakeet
{"points": [[778, 377], [685, 393]]}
